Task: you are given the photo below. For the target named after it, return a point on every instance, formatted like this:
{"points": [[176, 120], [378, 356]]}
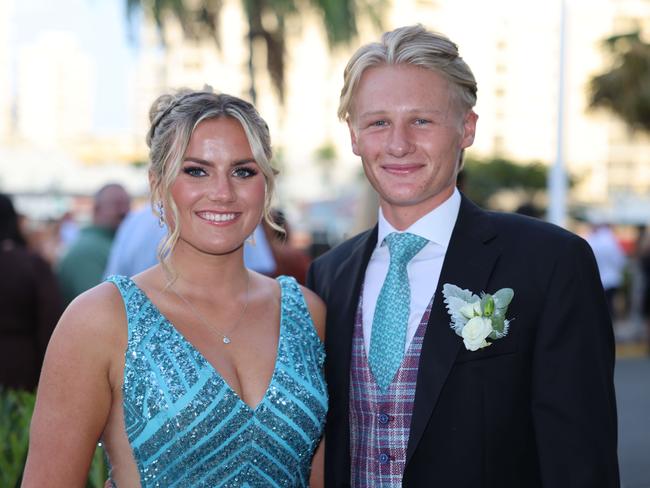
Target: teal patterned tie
{"points": [[388, 337]]}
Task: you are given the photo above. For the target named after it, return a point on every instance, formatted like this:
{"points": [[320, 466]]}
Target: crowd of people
{"points": [[446, 346]]}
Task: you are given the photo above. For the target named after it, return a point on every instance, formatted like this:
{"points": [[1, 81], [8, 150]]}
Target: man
{"points": [[135, 247], [83, 265], [413, 401], [610, 259]]}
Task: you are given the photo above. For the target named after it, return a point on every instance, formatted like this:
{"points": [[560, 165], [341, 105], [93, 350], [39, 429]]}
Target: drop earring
{"points": [[161, 213]]}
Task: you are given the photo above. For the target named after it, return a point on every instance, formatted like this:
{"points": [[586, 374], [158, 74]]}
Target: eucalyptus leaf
{"points": [[497, 324], [503, 297], [449, 290], [455, 299]]}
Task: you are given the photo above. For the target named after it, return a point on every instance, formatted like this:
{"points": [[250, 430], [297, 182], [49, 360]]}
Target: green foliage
{"points": [[98, 470], [482, 179], [16, 409], [266, 22], [624, 88], [326, 153], [139, 164]]}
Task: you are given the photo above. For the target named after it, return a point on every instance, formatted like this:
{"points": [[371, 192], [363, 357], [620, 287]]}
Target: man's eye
{"points": [[244, 172], [422, 121], [379, 123], [194, 171]]}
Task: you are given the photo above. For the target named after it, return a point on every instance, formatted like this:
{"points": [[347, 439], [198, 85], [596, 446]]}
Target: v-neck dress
{"points": [[188, 428]]}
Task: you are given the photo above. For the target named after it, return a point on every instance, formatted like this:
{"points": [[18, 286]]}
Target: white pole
{"points": [[557, 180]]}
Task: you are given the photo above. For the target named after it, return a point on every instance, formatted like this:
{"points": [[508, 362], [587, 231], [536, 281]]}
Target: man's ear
{"points": [[469, 129], [353, 137]]}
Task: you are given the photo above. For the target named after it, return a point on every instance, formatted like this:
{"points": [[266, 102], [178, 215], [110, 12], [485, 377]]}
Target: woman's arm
{"points": [[74, 393], [317, 311], [318, 314]]}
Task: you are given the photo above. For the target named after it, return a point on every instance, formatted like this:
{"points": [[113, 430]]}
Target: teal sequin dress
{"points": [[188, 428]]}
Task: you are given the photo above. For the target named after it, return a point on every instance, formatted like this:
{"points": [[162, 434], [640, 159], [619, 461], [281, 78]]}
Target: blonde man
{"points": [[431, 383]]}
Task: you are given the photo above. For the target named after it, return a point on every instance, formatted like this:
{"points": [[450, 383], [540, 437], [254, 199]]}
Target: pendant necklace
{"points": [[225, 338]]}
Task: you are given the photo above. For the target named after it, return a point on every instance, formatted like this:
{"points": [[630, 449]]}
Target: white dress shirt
{"points": [[423, 270]]}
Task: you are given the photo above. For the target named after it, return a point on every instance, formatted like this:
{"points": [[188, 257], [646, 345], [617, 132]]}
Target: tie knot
{"points": [[403, 246]]}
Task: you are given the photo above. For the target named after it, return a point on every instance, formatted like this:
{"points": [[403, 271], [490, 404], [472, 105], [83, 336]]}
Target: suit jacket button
{"points": [[383, 458], [382, 418]]}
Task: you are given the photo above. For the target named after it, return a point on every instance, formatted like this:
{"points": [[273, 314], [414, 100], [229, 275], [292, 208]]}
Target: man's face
{"points": [[409, 132], [111, 207]]}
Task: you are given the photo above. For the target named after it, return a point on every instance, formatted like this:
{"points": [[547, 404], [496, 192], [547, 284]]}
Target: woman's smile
{"points": [[218, 217]]}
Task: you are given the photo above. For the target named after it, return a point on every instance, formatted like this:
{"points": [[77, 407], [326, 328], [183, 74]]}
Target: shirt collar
{"points": [[436, 226]]}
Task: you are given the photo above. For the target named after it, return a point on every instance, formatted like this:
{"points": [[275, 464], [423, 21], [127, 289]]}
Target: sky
{"points": [[101, 28]]}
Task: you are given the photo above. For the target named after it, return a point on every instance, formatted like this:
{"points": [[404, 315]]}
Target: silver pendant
{"points": [[226, 340]]}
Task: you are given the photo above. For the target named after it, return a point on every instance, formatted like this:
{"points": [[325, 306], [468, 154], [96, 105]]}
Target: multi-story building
{"points": [[513, 47], [54, 90]]}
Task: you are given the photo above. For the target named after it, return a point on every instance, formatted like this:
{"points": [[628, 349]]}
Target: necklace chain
{"points": [[225, 338]]}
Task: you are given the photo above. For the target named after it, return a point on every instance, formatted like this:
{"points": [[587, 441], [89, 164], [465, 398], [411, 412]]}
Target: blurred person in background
{"points": [[197, 371], [258, 254], [530, 210], [83, 264], [68, 231], [643, 253], [30, 304], [610, 259], [289, 260], [135, 247]]}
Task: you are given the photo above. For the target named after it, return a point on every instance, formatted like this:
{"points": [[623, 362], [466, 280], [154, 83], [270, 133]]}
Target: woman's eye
{"points": [[194, 171], [244, 172]]}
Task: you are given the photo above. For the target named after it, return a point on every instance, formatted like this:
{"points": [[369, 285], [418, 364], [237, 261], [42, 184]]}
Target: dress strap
{"points": [[292, 297], [133, 297], [123, 283], [295, 314]]}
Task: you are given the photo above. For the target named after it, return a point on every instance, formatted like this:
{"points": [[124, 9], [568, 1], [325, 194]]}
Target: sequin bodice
{"points": [[188, 428]]}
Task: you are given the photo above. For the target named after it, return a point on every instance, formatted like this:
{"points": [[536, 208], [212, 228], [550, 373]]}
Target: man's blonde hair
{"points": [[411, 45]]}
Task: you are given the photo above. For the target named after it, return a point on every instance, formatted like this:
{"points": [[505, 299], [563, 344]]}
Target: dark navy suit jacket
{"points": [[537, 407]]}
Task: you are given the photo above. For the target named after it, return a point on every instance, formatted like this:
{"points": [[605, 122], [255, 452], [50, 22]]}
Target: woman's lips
{"points": [[217, 217]]}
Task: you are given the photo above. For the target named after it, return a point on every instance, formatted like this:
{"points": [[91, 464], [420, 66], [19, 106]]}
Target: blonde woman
{"points": [[198, 371]]}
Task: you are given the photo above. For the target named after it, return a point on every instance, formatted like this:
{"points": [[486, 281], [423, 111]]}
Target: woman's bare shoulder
{"points": [[94, 316]]}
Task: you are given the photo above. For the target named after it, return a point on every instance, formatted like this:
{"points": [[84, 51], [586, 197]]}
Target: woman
{"points": [[198, 372], [30, 304]]}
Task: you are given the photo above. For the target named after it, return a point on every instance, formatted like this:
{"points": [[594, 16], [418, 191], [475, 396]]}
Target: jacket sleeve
{"points": [[573, 402]]}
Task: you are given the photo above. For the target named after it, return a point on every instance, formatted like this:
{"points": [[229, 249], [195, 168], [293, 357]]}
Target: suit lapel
{"points": [[342, 306], [468, 263], [348, 280]]}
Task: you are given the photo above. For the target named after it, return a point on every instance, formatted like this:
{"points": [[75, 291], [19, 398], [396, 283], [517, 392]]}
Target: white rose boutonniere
{"points": [[478, 318]]}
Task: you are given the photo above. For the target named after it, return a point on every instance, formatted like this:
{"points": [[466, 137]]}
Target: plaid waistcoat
{"points": [[380, 422]]}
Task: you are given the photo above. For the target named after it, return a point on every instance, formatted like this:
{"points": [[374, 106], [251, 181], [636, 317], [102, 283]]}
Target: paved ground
{"points": [[632, 379]]}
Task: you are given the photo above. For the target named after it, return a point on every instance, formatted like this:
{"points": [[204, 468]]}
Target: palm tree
{"points": [[201, 20], [625, 88]]}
